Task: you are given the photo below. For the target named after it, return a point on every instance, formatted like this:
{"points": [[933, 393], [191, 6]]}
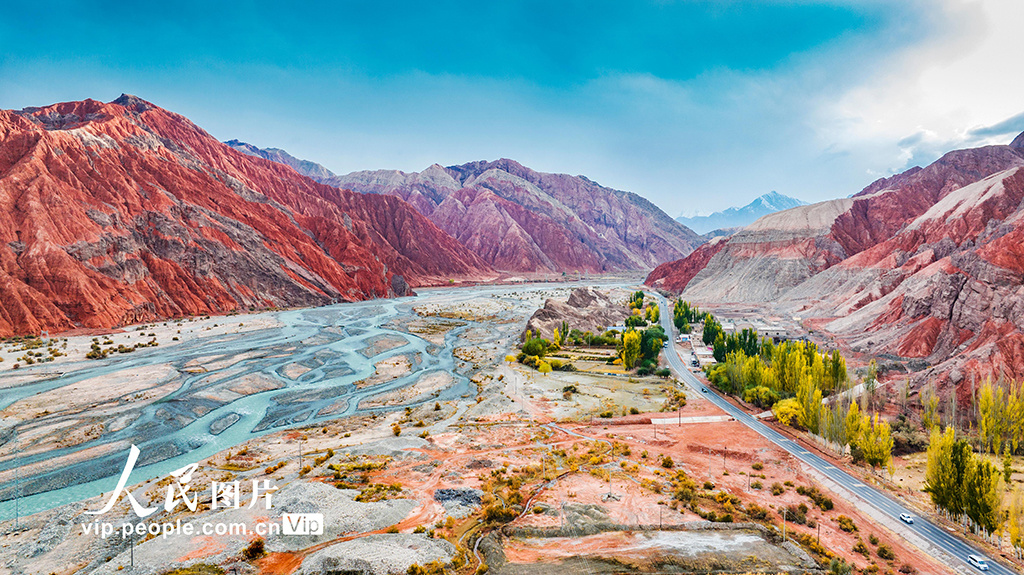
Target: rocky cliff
{"points": [[926, 264], [124, 212], [523, 221], [586, 310]]}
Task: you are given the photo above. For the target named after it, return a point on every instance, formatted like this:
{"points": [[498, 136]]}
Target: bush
{"points": [[873, 539], [755, 511], [497, 514], [757, 466], [860, 547], [667, 462], [757, 485], [778, 489], [663, 372], [787, 411], [536, 347], [709, 485], [885, 552], [839, 567], [761, 396], [846, 524], [820, 499], [255, 549], [634, 411]]}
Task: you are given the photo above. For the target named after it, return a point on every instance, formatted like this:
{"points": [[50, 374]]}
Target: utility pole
{"points": [[783, 524], [132, 549], [300, 454]]}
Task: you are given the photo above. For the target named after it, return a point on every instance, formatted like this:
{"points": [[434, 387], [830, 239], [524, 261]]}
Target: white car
{"points": [[978, 562], [906, 518]]}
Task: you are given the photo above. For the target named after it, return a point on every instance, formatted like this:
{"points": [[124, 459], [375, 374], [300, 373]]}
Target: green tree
{"points": [[536, 346], [982, 494]]}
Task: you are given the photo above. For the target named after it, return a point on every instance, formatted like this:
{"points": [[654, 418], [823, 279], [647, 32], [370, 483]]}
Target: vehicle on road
{"points": [[704, 390], [978, 562], [906, 518]]}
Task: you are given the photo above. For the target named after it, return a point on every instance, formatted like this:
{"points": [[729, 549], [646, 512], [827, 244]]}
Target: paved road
{"points": [[936, 536]]}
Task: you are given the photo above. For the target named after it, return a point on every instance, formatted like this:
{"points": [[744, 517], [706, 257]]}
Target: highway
{"points": [[938, 537]]}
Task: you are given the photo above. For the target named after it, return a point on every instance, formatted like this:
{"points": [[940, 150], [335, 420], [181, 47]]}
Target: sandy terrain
{"points": [[511, 444]]}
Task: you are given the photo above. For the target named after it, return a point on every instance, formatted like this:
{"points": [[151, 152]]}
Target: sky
{"points": [[696, 105]]}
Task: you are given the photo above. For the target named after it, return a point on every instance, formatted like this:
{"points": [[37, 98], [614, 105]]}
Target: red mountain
{"points": [[523, 221], [123, 212], [927, 264]]}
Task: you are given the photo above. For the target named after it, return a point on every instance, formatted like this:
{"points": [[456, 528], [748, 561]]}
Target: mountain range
{"points": [[522, 221], [924, 265], [123, 212], [731, 218]]}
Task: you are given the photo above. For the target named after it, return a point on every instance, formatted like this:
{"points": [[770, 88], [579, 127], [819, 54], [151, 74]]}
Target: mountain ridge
{"points": [[738, 217], [528, 222], [923, 265], [124, 212]]}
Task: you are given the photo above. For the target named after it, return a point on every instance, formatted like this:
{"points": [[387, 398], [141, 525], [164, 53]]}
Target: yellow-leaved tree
{"points": [[630, 348]]}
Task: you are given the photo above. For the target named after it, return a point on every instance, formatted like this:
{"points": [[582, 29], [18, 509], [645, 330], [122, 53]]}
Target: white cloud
{"points": [[941, 94]]}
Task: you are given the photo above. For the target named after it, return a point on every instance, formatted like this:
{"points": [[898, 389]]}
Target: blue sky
{"points": [[695, 105]]}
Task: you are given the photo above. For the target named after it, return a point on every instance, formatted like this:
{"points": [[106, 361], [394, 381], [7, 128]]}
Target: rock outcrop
{"points": [[124, 212], [523, 221], [586, 310], [926, 264]]}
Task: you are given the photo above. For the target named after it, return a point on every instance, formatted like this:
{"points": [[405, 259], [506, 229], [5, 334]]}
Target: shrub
{"points": [[755, 511], [885, 552], [757, 466], [873, 539], [860, 547], [537, 347], [819, 498], [757, 485], [497, 514], [778, 489], [839, 567], [667, 462], [709, 485], [255, 549], [634, 411], [846, 524]]}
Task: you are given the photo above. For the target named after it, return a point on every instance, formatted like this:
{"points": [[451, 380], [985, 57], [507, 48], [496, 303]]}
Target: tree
{"points": [[853, 424], [930, 405], [982, 494], [544, 367], [876, 441], [992, 416], [809, 397], [630, 348], [536, 346], [556, 338], [1007, 465], [1015, 523], [940, 476], [787, 411]]}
